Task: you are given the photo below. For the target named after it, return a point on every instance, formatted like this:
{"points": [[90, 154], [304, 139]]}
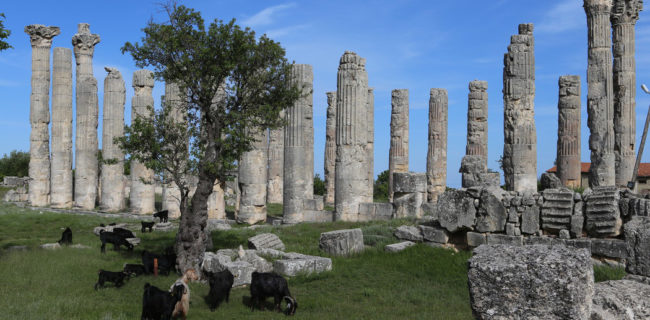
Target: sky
{"points": [[408, 44]]}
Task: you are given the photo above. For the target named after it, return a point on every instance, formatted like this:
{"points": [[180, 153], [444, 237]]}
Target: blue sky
{"points": [[415, 45]]}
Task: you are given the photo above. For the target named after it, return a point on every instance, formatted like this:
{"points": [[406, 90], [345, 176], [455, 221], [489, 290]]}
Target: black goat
{"points": [[162, 215], [146, 225], [220, 285], [125, 233], [66, 236], [134, 269], [166, 262], [116, 239], [159, 304], [271, 284], [116, 278]]}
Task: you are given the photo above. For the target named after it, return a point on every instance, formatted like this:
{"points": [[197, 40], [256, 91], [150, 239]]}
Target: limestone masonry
{"points": [[61, 160], [398, 154], [568, 134], [437, 152]]}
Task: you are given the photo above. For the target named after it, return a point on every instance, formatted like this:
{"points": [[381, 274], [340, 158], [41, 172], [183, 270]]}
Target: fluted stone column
{"points": [[370, 147], [398, 160], [351, 130], [112, 173], [624, 15], [520, 135], [568, 135], [474, 164], [171, 197], [217, 202], [600, 94], [252, 181], [61, 164], [86, 164], [40, 38], [307, 80], [330, 147], [142, 197], [276, 165], [437, 152]]}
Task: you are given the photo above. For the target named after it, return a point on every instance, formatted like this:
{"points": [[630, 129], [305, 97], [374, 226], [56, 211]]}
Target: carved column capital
{"points": [[40, 35], [626, 11], [84, 42]]}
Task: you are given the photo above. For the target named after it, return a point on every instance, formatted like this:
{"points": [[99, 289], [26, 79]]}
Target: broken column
{"points": [[474, 163], [624, 15], [520, 136], [171, 196], [142, 197], [217, 202], [86, 164], [252, 180], [276, 163], [398, 160], [112, 173], [351, 168], [61, 164], [40, 38], [568, 135], [307, 80], [370, 147], [600, 104], [330, 147], [437, 152]]}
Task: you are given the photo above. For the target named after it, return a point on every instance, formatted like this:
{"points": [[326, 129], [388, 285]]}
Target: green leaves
{"points": [[4, 34]]}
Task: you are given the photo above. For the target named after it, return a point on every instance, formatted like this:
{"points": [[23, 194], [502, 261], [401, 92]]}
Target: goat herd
{"points": [[172, 304]]}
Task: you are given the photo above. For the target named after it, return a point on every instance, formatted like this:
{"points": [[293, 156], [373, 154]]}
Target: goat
{"points": [[162, 215], [220, 285], [66, 236], [113, 238], [116, 278], [134, 269], [166, 262], [271, 284], [183, 306], [146, 225], [159, 304], [125, 233]]}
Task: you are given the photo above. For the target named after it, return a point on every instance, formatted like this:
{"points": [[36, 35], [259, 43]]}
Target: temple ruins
{"points": [[568, 131], [398, 154]]}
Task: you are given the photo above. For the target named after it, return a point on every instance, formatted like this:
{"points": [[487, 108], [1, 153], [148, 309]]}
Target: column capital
{"points": [[626, 11], [83, 41], [40, 35], [598, 6]]}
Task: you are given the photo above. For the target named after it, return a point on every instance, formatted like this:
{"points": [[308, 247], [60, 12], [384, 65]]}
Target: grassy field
{"points": [[418, 283]]}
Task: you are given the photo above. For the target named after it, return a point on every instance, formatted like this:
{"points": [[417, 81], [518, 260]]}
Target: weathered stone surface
{"points": [[491, 215], [217, 225], [531, 282], [217, 202], [530, 220], [398, 158], [215, 262], [602, 212], [474, 162], [410, 233], [370, 146], [243, 272], [637, 241], [557, 209], [276, 165], [175, 104], [375, 211], [61, 161], [50, 246], [429, 210], [609, 248], [519, 132], [252, 181], [164, 226], [636, 207], [318, 216], [112, 173], [330, 147], [621, 299], [302, 265], [409, 193], [307, 101], [494, 238], [265, 240], [341, 242], [564, 234], [549, 180], [600, 94], [456, 211], [577, 223], [142, 194], [568, 135], [400, 246], [437, 151], [260, 264], [475, 239], [434, 234]]}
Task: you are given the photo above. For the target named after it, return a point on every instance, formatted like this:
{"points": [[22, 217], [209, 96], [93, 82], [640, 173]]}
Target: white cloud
{"points": [[266, 16], [564, 16], [276, 33]]}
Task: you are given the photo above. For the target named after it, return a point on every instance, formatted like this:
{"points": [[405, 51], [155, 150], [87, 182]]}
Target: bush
{"points": [[319, 185], [15, 164], [380, 188]]}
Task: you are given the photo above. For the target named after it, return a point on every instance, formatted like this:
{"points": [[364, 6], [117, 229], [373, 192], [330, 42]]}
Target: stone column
{"points": [[330, 147], [307, 80], [217, 202], [370, 148], [520, 135], [171, 197], [568, 136], [112, 172], [351, 157], [61, 181], [86, 164], [276, 165], [40, 37], [600, 103], [142, 197], [474, 163], [624, 15], [437, 152], [252, 181], [398, 160]]}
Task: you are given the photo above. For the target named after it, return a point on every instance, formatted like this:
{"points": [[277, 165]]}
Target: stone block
{"points": [[270, 253], [408, 204], [621, 299], [409, 182], [314, 204], [577, 222], [342, 242], [505, 239], [456, 211], [530, 282], [513, 216], [602, 212], [549, 180], [410, 233], [434, 234], [260, 264], [539, 240], [265, 240], [475, 239], [50, 246], [557, 209], [491, 215], [243, 272], [510, 229], [318, 216], [564, 234], [164, 226], [637, 241], [217, 225], [303, 265], [375, 211], [397, 247], [215, 262], [429, 210], [609, 248], [578, 243]]}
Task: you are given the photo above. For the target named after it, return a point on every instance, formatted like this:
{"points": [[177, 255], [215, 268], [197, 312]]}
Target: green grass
{"points": [[605, 273], [418, 283]]}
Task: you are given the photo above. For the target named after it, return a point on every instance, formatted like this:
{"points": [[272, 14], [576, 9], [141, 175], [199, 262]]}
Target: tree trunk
{"points": [[191, 238]]}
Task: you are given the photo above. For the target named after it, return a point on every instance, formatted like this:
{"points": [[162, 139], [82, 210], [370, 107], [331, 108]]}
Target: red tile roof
{"points": [[644, 169]]}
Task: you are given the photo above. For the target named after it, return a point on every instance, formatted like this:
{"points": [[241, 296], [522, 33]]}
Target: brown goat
{"points": [[183, 306]]}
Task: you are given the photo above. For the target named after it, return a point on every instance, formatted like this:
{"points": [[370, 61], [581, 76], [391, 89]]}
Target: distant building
{"points": [[642, 179]]}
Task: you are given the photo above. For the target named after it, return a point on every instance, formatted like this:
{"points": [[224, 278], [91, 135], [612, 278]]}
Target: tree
{"points": [[380, 188], [15, 164], [319, 185], [233, 83], [4, 34]]}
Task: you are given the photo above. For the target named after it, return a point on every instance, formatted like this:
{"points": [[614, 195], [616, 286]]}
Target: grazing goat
{"points": [[166, 262], [162, 215], [134, 269], [146, 225], [116, 239], [182, 307], [125, 233], [159, 304], [66, 236], [271, 284], [220, 285], [116, 278]]}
